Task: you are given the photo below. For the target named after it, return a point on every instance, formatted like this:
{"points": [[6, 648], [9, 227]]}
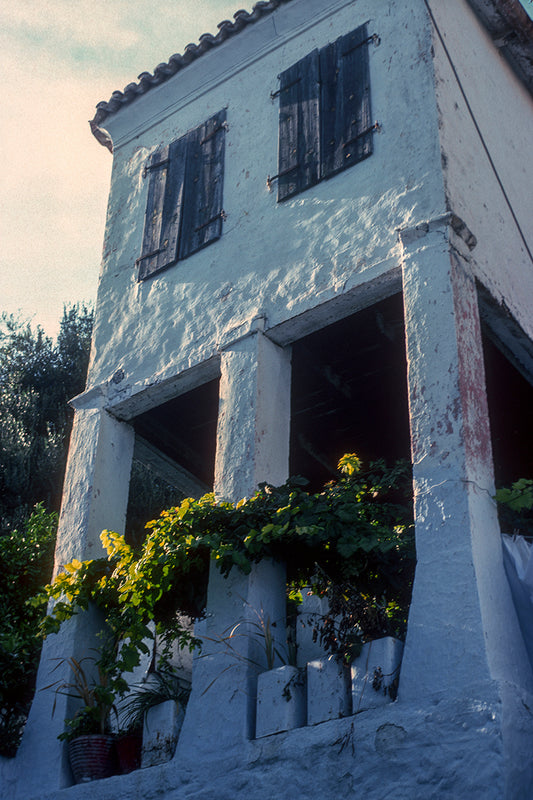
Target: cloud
{"points": [[114, 33], [64, 28], [58, 59]]}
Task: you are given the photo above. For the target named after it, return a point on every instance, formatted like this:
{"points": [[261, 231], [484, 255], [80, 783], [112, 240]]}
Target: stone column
{"points": [[252, 446], [95, 497], [462, 625]]}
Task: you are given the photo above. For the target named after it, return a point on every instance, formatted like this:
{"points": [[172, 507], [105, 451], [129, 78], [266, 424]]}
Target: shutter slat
{"points": [[157, 170], [309, 127], [331, 129], [203, 214], [173, 204], [298, 156]]}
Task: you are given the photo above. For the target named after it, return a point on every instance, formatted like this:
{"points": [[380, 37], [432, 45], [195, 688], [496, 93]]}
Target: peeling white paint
{"points": [[425, 209], [485, 123], [280, 259]]}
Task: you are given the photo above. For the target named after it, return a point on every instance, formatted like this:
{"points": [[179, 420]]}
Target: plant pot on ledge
{"points": [[92, 757], [128, 747], [91, 745]]}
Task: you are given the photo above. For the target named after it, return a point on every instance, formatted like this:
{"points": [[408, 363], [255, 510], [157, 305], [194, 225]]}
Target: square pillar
{"points": [[95, 497], [254, 417], [252, 446], [462, 624]]}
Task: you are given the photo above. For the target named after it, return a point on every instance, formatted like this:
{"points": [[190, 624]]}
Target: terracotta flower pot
{"points": [[129, 750], [92, 757]]}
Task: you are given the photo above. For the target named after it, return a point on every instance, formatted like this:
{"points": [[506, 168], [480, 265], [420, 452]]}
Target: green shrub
{"points": [[515, 507], [357, 532], [26, 560]]}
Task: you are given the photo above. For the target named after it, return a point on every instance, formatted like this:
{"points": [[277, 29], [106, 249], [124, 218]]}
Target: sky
{"points": [[58, 58]]}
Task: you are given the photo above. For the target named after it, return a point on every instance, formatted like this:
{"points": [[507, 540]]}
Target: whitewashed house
{"points": [[319, 239]]}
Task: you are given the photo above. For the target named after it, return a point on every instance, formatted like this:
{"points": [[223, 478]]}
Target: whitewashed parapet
{"points": [[310, 611], [162, 725], [281, 700], [375, 673], [288, 697], [328, 690]]}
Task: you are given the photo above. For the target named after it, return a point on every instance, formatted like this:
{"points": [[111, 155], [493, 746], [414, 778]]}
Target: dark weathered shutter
{"points": [[156, 169], [165, 170], [173, 203], [299, 145], [204, 183], [184, 205], [346, 134]]}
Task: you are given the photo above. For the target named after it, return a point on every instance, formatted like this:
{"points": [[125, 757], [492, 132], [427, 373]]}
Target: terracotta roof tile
{"points": [[177, 62], [506, 21]]}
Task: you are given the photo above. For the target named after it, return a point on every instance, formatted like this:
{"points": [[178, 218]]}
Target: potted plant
{"points": [[88, 732], [128, 748], [156, 708], [356, 532]]}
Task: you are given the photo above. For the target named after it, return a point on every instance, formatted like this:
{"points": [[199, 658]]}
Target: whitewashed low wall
{"points": [[162, 725], [281, 700], [449, 750]]}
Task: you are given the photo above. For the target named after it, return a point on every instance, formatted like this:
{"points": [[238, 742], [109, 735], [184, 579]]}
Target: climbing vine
{"points": [[355, 535], [515, 507]]}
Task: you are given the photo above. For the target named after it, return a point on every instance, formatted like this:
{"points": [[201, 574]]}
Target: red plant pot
{"points": [[129, 750]]}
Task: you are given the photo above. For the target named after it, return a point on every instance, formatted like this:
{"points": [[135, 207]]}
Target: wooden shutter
{"points": [[184, 205], [204, 180], [346, 134], [299, 145], [156, 169], [163, 208]]}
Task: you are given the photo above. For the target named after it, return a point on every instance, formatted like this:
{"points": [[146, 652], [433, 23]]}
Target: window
{"points": [[184, 206], [324, 115]]}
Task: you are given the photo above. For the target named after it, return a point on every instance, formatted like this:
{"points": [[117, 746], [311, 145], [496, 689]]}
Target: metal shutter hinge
{"points": [[273, 95], [222, 215], [375, 127], [150, 167], [150, 255], [376, 38], [223, 127], [270, 180]]}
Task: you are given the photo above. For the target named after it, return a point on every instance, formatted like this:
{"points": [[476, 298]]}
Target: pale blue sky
{"points": [[58, 58], [528, 5]]}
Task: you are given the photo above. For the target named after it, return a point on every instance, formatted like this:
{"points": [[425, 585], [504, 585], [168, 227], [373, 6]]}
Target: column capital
{"points": [[443, 223], [246, 329]]}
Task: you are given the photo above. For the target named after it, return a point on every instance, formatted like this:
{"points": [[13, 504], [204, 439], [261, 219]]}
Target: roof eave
{"points": [[506, 21], [511, 31], [177, 62]]}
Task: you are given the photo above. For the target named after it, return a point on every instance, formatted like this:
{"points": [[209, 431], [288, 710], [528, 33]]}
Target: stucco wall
{"points": [[450, 751], [485, 122], [279, 260], [460, 727]]}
